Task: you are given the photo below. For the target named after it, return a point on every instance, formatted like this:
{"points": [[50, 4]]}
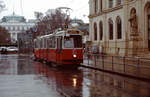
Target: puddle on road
{"points": [[66, 82], [16, 65]]}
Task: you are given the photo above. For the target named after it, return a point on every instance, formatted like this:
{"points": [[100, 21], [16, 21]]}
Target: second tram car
{"points": [[62, 47]]}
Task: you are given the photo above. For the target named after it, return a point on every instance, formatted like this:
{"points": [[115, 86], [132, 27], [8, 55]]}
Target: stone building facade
{"points": [[120, 27], [16, 24]]}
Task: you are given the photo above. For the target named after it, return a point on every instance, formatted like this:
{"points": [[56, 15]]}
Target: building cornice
{"points": [[106, 11]]}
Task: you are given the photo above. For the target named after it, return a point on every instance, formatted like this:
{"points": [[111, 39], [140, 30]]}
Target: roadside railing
{"points": [[133, 66]]}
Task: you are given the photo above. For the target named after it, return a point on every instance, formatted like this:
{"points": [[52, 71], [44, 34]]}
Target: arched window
{"points": [[101, 5], [110, 3], [110, 29], [95, 31], [119, 28], [119, 2], [101, 30], [95, 6], [148, 10]]}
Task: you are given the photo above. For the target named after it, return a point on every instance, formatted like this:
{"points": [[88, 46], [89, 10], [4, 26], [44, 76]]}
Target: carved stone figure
{"points": [[133, 22]]}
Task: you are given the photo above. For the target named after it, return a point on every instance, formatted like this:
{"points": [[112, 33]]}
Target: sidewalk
{"points": [[132, 66]]}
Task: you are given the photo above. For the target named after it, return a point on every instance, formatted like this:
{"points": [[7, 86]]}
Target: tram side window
{"points": [[59, 43], [36, 44], [45, 43], [51, 42], [40, 43], [47, 46]]}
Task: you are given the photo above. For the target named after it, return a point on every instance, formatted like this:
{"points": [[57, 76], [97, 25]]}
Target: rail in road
{"points": [[138, 67]]}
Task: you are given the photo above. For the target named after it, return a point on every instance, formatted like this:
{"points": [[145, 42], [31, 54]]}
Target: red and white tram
{"points": [[63, 47]]}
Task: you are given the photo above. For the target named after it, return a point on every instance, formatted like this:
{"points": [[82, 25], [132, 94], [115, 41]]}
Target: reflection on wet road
{"points": [[18, 78], [22, 77]]}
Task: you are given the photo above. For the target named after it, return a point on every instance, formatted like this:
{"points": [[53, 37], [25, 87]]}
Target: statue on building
{"points": [[133, 22]]}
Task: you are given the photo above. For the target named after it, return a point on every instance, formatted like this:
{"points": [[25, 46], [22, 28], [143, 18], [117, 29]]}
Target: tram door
{"points": [[59, 49], [149, 32]]}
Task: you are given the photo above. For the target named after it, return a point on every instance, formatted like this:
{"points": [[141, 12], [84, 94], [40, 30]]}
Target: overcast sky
{"points": [[80, 7]]}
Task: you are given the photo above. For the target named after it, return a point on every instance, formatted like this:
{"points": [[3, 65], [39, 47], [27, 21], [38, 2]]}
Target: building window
{"points": [[8, 28], [110, 3], [29, 27], [20, 28], [95, 31], [16, 28], [101, 5], [13, 34], [95, 6], [119, 28], [11, 28], [25, 28], [110, 29], [101, 30], [119, 2]]}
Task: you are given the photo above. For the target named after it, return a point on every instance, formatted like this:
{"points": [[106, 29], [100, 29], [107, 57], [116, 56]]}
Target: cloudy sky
{"points": [[80, 7]]}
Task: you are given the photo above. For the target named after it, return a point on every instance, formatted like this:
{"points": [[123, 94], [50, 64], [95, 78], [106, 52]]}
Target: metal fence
{"points": [[134, 66]]}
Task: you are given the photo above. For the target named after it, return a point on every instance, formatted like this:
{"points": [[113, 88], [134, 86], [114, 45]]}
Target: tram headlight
{"points": [[74, 82], [74, 55]]}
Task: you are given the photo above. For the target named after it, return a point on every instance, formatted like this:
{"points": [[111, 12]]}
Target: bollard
{"points": [[138, 66], [112, 63], [88, 58], [103, 60], [124, 60], [95, 60]]}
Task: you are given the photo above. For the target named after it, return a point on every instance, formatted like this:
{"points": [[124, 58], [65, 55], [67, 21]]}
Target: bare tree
{"points": [[38, 15], [51, 22]]}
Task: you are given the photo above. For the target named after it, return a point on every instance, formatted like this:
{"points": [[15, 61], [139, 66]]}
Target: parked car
{"points": [[12, 49], [3, 50]]}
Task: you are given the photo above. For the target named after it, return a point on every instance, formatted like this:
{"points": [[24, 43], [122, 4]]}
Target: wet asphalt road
{"points": [[20, 76]]}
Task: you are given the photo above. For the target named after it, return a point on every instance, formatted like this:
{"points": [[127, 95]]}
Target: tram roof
{"points": [[44, 36], [61, 33], [75, 31]]}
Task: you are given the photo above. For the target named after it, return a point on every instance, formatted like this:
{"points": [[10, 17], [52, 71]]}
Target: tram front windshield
{"points": [[73, 41]]}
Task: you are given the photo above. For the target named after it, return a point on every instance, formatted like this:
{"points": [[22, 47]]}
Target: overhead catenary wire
{"points": [[77, 2], [21, 7]]}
